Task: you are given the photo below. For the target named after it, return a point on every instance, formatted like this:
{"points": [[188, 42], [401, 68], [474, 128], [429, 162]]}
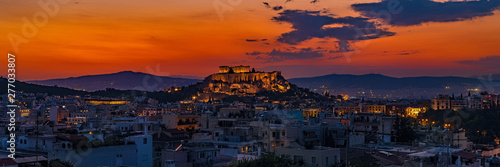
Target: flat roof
{"points": [[30, 159]]}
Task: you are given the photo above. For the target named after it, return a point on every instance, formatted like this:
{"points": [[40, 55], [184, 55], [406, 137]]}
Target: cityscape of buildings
{"points": [[331, 130], [243, 83]]}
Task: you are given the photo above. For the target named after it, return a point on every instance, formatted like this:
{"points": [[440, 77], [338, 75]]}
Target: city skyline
{"points": [[238, 83]]}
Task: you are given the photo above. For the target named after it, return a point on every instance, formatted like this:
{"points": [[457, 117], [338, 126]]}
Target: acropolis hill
{"points": [[240, 80]]}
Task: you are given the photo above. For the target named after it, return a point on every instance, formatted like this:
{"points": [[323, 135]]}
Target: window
{"points": [[145, 141], [313, 160], [326, 161]]}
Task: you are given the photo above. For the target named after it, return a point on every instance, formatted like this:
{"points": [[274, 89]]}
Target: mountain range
{"points": [[125, 80], [377, 85], [377, 81]]}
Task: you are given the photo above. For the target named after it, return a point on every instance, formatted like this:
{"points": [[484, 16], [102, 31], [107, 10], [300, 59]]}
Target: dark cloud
{"points": [[416, 12], [254, 53], [310, 24], [257, 40], [277, 8], [489, 62], [334, 57], [266, 4], [407, 52], [291, 53]]}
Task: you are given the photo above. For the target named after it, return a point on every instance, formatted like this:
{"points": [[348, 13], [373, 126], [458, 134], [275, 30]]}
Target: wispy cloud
{"points": [[291, 53], [489, 62]]}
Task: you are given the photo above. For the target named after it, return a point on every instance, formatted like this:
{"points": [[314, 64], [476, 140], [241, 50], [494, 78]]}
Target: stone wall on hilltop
{"points": [[245, 83]]}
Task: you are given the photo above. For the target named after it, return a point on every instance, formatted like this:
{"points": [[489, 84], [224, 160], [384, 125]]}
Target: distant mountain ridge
{"points": [[34, 88], [382, 85], [125, 80], [378, 81]]}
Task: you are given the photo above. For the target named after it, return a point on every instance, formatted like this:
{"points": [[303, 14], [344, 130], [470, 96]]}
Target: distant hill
{"points": [[33, 88], [125, 80], [493, 77], [369, 85], [377, 81], [23, 87], [381, 85]]}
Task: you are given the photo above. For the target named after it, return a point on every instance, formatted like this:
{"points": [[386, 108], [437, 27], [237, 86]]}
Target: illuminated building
{"points": [[348, 109], [181, 122], [310, 112], [374, 108], [235, 69], [414, 111], [76, 120], [24, 112], [62, 114], [106, 102], [442, 102], [154, 111], [273, 136], [396, 109], [187, 106], [488, 100]]}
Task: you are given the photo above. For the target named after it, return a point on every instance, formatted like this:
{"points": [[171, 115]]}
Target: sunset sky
{"points": [[298, 37]]}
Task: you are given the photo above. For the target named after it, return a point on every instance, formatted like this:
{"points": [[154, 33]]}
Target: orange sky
{"points": [[189, 38]]}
